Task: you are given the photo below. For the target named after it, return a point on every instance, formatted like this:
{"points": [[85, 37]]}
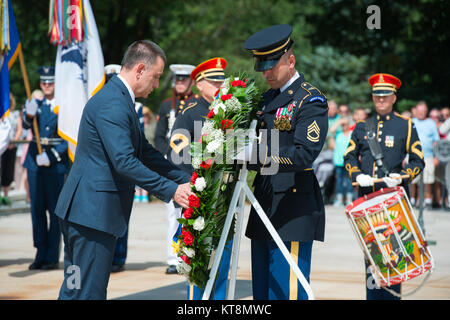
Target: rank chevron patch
{"points": [[313, 132]]}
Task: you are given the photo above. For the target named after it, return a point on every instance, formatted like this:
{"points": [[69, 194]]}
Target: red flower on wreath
{"points": [[211, 114], [194, 201], [238, 83], [227, 124], [194, 177], [186, 260], [225, 97], [188, 213], [188, 238], [206, 165]]}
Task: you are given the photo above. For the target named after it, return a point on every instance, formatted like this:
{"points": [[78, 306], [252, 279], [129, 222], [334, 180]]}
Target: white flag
{"points": [[79, 74]]}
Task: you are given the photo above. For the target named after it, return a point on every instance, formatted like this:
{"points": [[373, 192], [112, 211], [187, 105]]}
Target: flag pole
{"points": [[28, 91]]}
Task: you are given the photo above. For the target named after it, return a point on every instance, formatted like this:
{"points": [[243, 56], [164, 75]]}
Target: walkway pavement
{"points": [[337, 265]]}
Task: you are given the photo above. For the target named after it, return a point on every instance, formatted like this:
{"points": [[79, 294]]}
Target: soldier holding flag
{"points": [[46, 172]]}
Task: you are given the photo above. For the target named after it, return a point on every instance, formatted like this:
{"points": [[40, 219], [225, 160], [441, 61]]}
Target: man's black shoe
{"points": [[35, 266], [49, 266], [172, 269], [117, 267]]}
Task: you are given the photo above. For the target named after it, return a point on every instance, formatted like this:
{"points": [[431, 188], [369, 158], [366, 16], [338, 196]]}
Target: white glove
{"points": [[364, 180], [42, 159], [31, 107], [391, 181]]}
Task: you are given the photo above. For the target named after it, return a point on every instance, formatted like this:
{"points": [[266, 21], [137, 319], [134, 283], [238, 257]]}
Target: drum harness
{"points": [[374, 145], [377, 154]]}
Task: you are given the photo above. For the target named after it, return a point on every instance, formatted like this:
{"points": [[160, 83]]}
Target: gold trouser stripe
{"points": [[191, 292], [408, 139], [293, 281]]}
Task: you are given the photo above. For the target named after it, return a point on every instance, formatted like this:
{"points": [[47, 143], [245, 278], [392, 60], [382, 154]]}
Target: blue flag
{"points": [[9, 59]]}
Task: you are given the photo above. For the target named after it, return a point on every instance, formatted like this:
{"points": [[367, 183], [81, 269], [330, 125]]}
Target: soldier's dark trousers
{"points": [[374, 293], [272, 278], [44, 192]]}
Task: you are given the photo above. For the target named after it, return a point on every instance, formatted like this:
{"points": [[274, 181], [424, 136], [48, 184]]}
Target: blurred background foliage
{"points": [[334, 48]]}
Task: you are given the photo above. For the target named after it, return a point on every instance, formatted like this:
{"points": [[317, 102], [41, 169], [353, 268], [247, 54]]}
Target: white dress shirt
{"points": [[291, 81], [128, 87]]}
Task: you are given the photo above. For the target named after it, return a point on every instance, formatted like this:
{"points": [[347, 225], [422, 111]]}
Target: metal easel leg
{"points": [[223, 239]]}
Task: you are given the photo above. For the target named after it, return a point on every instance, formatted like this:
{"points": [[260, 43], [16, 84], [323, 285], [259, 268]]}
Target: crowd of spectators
{"points": [[432, 126]]}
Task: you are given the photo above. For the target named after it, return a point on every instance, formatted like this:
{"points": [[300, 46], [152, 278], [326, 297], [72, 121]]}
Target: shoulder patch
{"points": [[317, 98]]}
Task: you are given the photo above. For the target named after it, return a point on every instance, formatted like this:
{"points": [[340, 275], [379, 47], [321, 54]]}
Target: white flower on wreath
{"points": [[233, 104], [196, 161], [199, 224], [183, 268], [217, 134], [208, 127], [213, 146], [218, 106], [190, 253], [200, 184]]}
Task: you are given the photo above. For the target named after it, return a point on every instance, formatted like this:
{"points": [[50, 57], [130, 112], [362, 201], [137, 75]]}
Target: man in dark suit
{"points": [[285, 185], [112, 157]]}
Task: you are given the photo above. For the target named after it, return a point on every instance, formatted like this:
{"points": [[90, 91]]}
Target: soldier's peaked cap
{"points": [[269, 44], [181, 69], [384, 84], [47, 74], [212, 69]]}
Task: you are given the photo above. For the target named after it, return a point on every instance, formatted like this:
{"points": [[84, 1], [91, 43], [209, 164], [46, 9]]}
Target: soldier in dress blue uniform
{"points": [[397, 138], [46, 172], [208, 76], [285, 184], [170, 108], [168, 112]]}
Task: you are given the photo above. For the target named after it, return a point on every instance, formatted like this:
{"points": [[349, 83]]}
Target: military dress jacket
{"points": [[397, 137], [56, 148], [162, 125], [290, 195], [186, 129]]}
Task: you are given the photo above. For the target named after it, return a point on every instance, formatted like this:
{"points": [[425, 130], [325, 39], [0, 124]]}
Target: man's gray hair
{"points": [[142, 51]]}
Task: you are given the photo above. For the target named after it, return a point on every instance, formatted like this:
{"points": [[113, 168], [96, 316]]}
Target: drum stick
{"points": [[405, 176]]}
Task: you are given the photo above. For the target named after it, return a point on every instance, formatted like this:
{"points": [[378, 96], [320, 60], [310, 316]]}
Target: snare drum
{"points": [[390, 236]]}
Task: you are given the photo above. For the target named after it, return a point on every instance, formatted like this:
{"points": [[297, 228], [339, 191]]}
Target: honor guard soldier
{"points": [[377, 149], [168, 111], [297, 113], [208, 76], [46, 172]]}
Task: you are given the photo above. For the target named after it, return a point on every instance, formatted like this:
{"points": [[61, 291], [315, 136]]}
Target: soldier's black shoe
{"points": [[172, 269], [117, 267], [35, 266], [49, 266]]}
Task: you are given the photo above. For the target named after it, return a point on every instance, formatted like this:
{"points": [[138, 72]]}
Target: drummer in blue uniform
{"points": [[396, 137], [285, 184], [208, 76], [46, 172]]}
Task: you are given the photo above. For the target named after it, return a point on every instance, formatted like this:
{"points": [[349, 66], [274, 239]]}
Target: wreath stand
{"points": [[236, 209]]}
